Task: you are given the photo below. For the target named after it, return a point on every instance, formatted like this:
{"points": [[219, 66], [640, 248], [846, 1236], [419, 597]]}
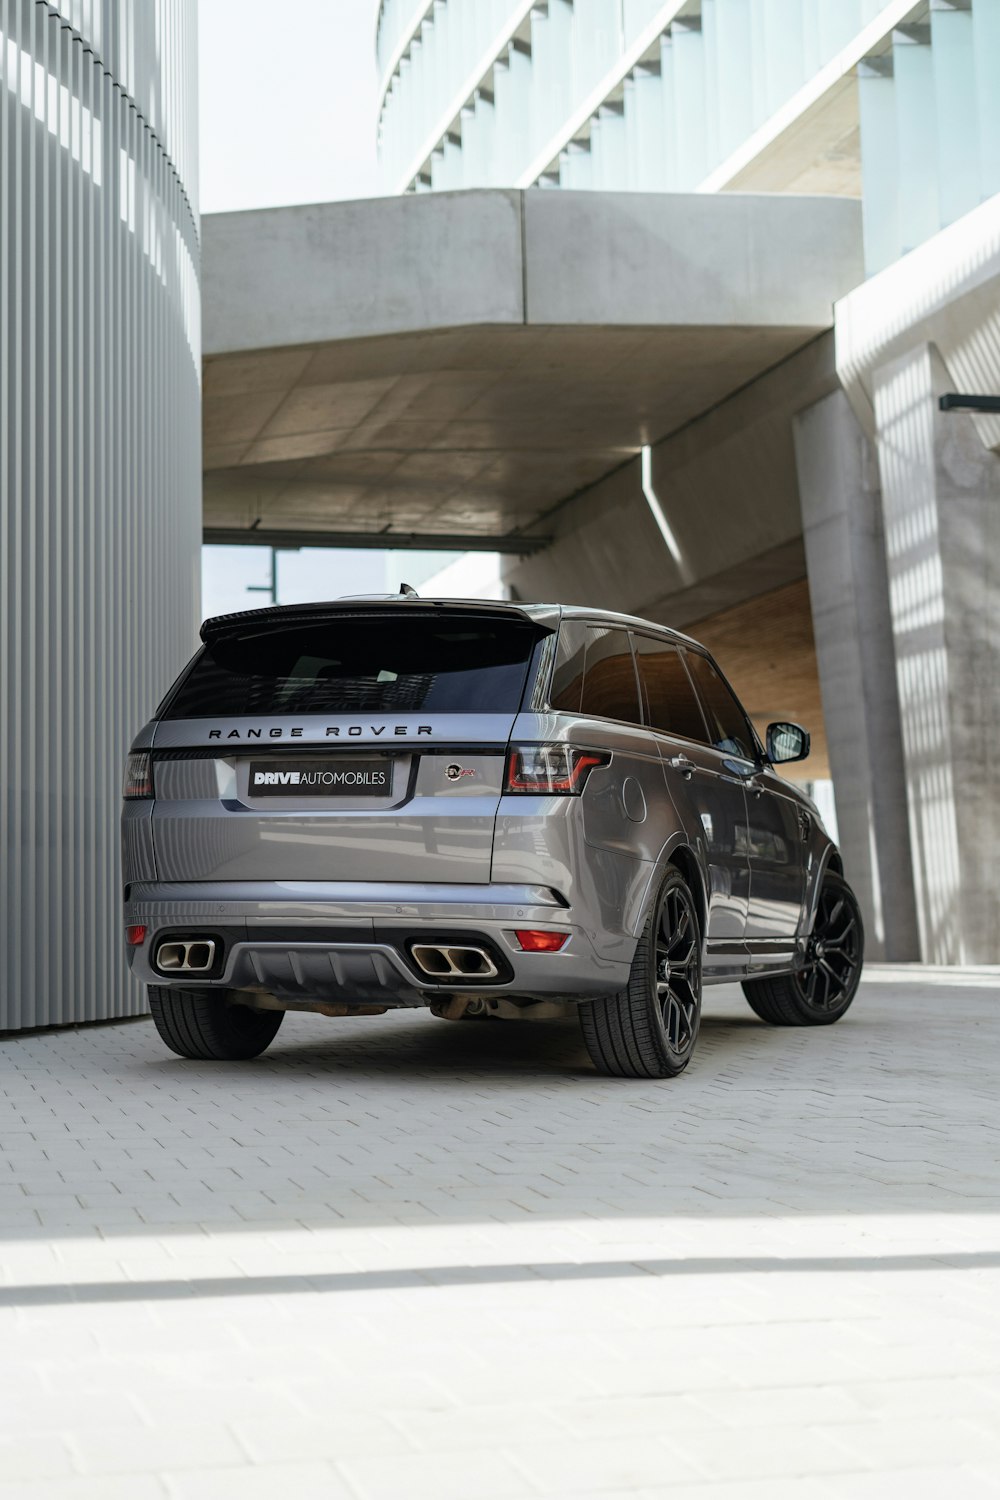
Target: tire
{"points": [[204, 1025], [649, 1029], [821, 991]]}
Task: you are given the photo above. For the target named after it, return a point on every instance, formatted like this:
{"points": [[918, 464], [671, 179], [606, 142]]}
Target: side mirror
{"points": [[786, 742]]}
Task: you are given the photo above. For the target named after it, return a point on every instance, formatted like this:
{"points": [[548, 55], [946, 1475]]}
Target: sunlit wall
{"points": [[100, 464]]}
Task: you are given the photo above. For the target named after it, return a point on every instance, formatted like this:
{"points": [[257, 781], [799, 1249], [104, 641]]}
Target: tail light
{"points": [[534, 940], [135, 936], [551, 770], [138, 775]]}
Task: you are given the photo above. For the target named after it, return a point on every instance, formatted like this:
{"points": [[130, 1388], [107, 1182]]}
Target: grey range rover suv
{"points": [[509, 810]]}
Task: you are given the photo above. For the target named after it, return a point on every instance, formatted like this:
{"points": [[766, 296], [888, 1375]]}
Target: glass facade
{"points": [[894, 102]]}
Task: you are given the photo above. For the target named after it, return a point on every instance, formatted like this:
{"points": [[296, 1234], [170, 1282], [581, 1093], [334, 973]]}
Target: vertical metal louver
{"points": [[100, 465]]}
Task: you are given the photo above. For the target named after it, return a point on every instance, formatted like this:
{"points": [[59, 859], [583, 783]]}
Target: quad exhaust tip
{"points": [[453, 961], [194, 957]]}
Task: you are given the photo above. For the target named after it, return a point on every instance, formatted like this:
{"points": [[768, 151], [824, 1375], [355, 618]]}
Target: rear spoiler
{"points": [[546, 616]]}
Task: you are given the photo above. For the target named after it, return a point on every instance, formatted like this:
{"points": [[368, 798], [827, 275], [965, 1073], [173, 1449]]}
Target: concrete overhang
{"points": [[451, 366]]}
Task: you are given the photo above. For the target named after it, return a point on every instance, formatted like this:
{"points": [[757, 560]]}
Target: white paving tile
{"points": [[396, 1258]]}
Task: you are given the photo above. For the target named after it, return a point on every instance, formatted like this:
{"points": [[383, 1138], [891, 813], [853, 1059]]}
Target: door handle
{"points": [[681, 763]]}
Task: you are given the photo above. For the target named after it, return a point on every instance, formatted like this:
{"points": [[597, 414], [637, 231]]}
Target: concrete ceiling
{"points": [[454, 366]]}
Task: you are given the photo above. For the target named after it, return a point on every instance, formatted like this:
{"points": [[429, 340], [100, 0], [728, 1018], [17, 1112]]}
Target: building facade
{"points": [[838, 470], [895, 103], [100, 464]]}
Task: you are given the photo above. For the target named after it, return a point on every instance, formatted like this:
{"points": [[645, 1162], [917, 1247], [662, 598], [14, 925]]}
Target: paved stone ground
{"points": [[398, 1258]]}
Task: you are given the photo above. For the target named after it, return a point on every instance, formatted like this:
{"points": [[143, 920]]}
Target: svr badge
{"points": [[455, 772]]}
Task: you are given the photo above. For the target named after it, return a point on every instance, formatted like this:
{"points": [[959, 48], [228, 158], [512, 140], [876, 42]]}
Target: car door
{"points": [[706, 791], [773, 840], [777, 829]]}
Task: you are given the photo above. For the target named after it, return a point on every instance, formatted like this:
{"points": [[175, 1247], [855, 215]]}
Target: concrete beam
{"points": [[459, 363], [726, 484], [241, 536], [308, 275], [275, 278]]}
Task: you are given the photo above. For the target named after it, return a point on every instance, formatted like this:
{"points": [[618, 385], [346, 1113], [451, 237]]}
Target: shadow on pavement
{"points": [[408, 1279]]}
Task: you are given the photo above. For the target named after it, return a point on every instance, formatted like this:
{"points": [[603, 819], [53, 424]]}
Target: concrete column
{"points": [[941, 506], [845, 557]]}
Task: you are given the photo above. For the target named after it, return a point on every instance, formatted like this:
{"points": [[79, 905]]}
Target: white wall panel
{"points": [[100, 459]]}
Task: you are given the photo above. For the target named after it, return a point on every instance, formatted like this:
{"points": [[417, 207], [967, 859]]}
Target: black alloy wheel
{"points": [[830, 973], [649, 1029], [821, 989], [677, 973]]}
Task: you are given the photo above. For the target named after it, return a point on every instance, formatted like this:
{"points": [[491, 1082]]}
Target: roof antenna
{"points": [[411, 593]]}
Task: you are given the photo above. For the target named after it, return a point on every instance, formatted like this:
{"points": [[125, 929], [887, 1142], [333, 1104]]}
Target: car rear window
{"points": [[359, 664]]}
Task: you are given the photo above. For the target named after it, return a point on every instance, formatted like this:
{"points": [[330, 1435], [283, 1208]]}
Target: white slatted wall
{"points": [[100, 465]]}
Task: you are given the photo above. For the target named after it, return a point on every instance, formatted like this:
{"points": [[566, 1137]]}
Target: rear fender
{"points": [[676, 853]]}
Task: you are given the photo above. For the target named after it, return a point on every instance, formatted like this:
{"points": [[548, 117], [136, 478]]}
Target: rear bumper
{"points": [[349, 941]]}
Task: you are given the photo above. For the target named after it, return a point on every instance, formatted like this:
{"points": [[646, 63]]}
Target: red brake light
{"points": [[534, 941], [135, 936], [551, 770], [138, 775]]}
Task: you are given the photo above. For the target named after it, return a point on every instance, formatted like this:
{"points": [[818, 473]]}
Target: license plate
{"points": [[320, 778]]}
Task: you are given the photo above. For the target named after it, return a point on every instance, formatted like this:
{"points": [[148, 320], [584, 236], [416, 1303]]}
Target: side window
{"points": [[567, 677], [728, 727], [610, 690], [670, 701], [595, 674]]}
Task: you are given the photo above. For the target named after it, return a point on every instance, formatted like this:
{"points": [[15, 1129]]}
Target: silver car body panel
{"points": [[206, 826], [320, 897]]}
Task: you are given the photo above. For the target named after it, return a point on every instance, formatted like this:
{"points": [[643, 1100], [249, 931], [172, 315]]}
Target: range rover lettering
{"points": [[501, 810]]}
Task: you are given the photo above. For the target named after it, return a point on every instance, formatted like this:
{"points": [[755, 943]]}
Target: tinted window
{"points": [[567, 678], [360, 664], [670, 701], [609, 685], [728, 727], [594, 673]]}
